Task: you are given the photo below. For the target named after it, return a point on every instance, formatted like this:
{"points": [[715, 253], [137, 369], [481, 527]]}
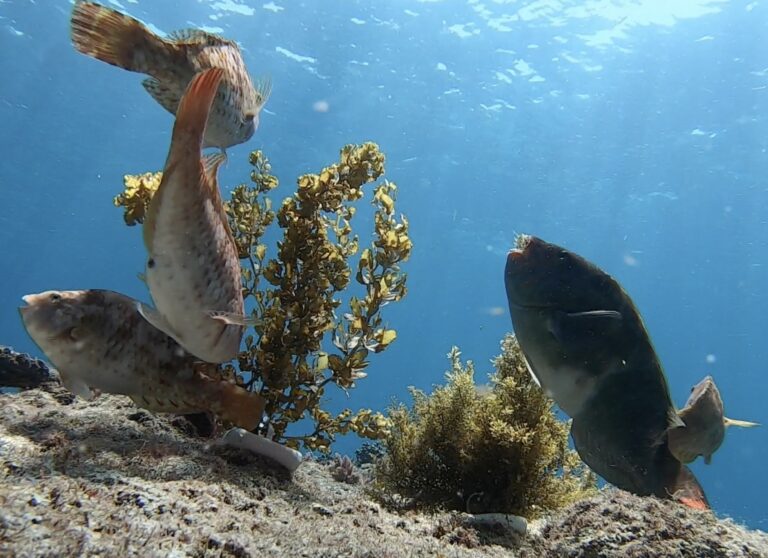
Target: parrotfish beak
{"points": [[28, 300]]}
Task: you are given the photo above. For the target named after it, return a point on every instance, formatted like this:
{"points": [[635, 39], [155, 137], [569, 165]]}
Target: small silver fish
{"points": [[193, 269], [123, 41], [586, 345], [100, 343], [704, 426]]}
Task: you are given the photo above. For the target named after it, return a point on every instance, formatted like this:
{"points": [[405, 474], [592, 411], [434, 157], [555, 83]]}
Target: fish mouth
{"points": [[522, 242], [24, 310]]}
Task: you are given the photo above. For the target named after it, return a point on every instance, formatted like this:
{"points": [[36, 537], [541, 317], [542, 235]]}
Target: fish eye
{"points": [[150, 263], [55, 297]]}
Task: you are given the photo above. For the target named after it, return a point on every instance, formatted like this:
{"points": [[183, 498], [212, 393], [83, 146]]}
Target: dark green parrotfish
{"points": [[704, 424], [587, 347]]}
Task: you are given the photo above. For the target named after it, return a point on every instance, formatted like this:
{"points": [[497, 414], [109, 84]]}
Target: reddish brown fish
{"points": [[193, 269], [100, 343], [125, 42]]}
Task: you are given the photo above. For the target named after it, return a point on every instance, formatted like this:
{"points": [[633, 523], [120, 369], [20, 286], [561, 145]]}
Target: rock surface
{"points": [[103, 478], [20, 370]]}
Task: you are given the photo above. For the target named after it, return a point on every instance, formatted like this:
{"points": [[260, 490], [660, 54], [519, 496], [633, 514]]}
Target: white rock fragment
{"points": [[242, 439]]}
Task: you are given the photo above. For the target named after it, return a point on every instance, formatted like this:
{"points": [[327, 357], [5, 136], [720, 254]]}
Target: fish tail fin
{"points": [[742, 423], [116, 38], [193, 110], [239, 406], [687, 490]]}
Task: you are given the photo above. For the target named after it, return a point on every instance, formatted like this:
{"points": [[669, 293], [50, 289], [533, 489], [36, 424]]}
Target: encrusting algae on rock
{"points": [[305, 286], [496, 450]]}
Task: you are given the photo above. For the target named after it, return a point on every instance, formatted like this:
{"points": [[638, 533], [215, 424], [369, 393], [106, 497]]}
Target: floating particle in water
{"points": [[631, 260], [711, 359], [321, 106]]}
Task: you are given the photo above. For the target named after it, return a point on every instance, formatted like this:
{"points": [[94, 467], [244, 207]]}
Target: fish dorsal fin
{"points": [[164, 95], [742, 423], [197, 37]]}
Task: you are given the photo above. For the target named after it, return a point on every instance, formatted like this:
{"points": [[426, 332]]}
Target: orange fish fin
{"points": [[192, 114], [687, 490], [238, 405], [116, 38]]}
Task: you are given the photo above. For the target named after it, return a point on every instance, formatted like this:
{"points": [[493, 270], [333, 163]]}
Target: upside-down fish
{"points": [[100, 343], [123, 41], [704, 425], [587, 347], [193, 268]]}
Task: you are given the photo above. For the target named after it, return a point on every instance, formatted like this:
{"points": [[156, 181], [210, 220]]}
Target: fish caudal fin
{"points": [[116, 38], [238, 405], [192, 113], [687, 490]]}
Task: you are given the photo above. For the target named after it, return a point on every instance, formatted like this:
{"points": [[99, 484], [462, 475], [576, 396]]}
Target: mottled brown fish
{"points": [[704, 424], [193, 268], [100, 343], [123, 41], [587, 347]]}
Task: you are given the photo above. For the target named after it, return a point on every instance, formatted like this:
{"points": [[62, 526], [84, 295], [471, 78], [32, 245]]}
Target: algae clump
{"points": [[500, 449], [287, 356]]}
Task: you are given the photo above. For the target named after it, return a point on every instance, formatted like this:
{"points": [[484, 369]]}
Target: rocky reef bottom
{"points": [[104, 478]]}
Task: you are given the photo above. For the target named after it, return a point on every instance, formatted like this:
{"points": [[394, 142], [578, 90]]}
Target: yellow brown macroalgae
{"points": [[305, 286]]}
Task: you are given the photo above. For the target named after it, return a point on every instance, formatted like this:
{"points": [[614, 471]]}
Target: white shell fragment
{"points": [[240, 438]]}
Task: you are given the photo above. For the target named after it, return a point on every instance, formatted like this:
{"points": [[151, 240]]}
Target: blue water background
{"points": [[632, 133]]}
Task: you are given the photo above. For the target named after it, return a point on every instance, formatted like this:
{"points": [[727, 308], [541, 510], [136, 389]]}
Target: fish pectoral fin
{"points": [[596, 314], [263, 88], [211, 164], [77, 386], [230, 318], [675, 420], [164, 95], [155, 318], [579, 328], [708, 459], [735, 422]]}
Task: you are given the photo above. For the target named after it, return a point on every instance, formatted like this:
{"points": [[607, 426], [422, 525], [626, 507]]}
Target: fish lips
{"points": [[522, 277]]}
